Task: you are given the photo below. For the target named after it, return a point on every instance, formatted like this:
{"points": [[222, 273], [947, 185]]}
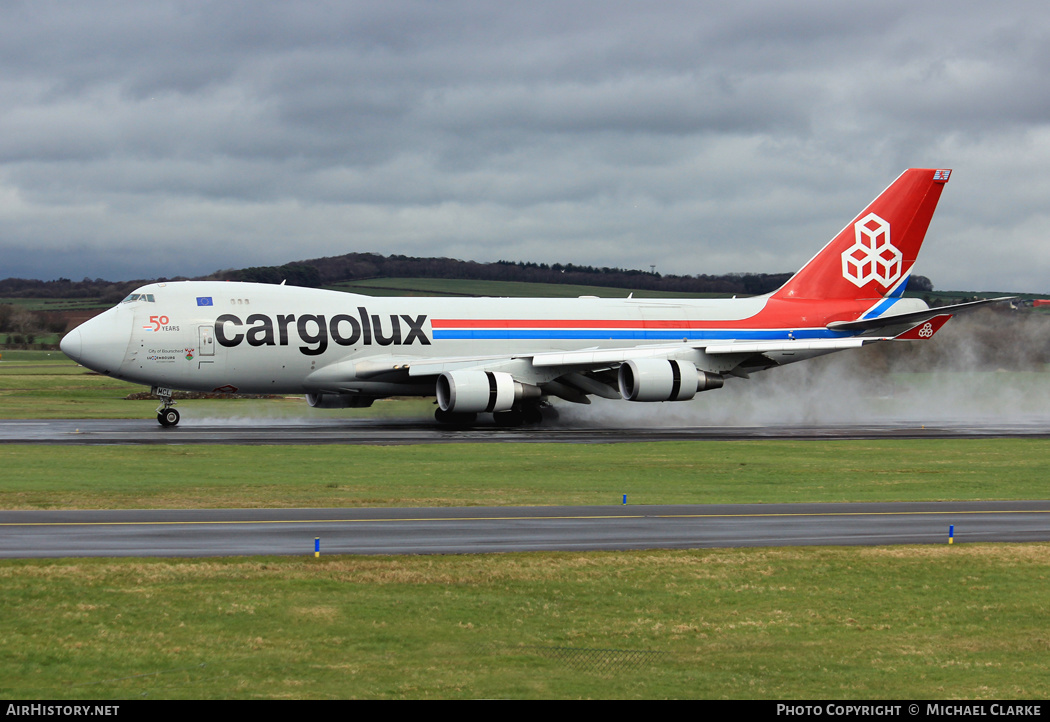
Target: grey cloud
{"points": [[700, 137]]}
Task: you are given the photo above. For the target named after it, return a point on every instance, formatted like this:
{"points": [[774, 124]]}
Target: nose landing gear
{"points": [[168, 417], [166, 413]]}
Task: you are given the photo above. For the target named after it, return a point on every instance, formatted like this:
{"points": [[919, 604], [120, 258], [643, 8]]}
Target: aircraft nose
{"points": [[100, 343], [70, 344]]}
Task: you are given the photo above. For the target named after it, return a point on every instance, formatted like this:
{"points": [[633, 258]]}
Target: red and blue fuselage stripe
{"points": [[774, 322], [632, 331]]}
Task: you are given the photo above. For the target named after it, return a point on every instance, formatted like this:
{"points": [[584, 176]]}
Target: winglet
{"points": [[925, 329]]}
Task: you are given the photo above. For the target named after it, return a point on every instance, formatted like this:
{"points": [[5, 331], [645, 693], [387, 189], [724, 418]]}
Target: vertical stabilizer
{"points": [[873, 255]]}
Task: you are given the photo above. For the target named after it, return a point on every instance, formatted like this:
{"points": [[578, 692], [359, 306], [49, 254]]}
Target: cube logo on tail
{"points": [[872, 257], [924, 329]]}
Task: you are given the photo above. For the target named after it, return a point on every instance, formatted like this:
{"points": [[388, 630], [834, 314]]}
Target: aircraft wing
{"points": [[819, 344], [922, 327], [604, 358], [590, 358], [573, 375]]}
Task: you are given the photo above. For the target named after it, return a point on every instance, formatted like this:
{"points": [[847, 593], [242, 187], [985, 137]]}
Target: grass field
{"points": [[924, 622], [54, 304], [704, 472], [942, 622]]}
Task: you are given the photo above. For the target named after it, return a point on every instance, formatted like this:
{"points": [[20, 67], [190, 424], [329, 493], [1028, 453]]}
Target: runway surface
{"points": [[204, 533], [414, 431]]}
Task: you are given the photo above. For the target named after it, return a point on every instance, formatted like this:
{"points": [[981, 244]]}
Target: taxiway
{"points": [[218, 532]]}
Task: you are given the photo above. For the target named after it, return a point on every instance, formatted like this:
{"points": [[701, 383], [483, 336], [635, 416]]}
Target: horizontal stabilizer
{"points": [[924, 329], [868, 324]]}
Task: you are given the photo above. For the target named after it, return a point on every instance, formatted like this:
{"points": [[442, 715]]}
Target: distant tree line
{"points": [[23, 327], [110, 292], [359, 266], [291, 274]]}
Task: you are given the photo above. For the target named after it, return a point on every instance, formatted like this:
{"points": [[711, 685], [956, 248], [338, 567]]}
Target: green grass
{"points": [[698, 472], [11, 358], [48, 385], [942, 622], [54, 304], [42, 385]]}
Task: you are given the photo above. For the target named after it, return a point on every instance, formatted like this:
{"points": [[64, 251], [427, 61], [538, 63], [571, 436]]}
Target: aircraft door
{"points": [[206, 338]]}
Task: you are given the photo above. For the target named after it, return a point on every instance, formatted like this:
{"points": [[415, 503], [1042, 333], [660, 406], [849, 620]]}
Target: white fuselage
{"points": [[257, 338]]}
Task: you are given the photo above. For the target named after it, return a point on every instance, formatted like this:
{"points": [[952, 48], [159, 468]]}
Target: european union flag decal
{"points": [[204, 301]]}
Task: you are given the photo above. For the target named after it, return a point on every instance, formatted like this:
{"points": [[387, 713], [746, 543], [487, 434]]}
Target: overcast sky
{"points": [[147, 139]]}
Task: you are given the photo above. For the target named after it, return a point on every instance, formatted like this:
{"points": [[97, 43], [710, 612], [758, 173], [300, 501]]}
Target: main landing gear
{"points": [[528, 414], [166, 413], [457, 419]]}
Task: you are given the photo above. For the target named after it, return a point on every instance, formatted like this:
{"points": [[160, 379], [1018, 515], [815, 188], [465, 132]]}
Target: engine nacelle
{"points": [[338, 401], [664, 380], [473, 391]]}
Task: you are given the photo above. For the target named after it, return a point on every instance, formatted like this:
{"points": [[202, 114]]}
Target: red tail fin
{"points": [[874, 254]]}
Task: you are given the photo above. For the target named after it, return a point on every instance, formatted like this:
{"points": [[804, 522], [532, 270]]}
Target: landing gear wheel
{"points": [[451, 418], [532, 414], [508, 419], [168, 417]]}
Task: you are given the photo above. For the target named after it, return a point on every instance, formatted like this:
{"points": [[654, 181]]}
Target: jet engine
{"points": [[664, 380], [473, 391]]}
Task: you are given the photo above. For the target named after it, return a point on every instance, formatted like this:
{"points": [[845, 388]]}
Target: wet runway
{"points": [[203, 533], [414, 431]]}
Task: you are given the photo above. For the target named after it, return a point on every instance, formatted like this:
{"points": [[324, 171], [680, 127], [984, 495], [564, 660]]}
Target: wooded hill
{"points": [[332, 270], [358, 266]]}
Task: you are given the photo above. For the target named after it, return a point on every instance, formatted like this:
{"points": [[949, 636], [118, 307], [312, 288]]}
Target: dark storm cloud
{"points": [[180, 137]]}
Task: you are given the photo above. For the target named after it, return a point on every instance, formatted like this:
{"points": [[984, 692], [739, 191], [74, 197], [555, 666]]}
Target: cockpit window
{"points": [[148, 297]]}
